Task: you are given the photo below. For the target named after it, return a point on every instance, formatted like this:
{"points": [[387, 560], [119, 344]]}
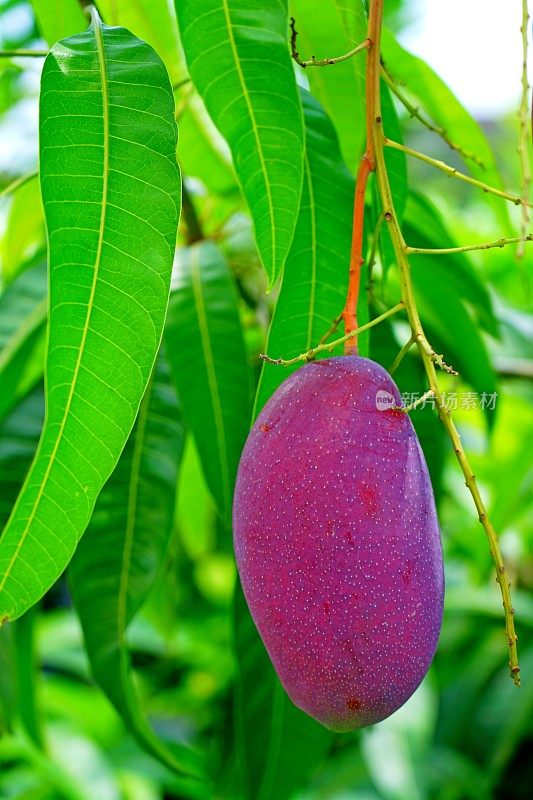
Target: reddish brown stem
{"points": [[366, 166]]}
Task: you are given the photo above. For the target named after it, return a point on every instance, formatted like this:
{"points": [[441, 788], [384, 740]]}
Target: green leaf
{"points": [[326, 30], [23, 313], [292, 744], [315, 280], [154, 21], [23, 234], [124, 549], [110, 187], [427, 229], [19, 435], [59, 19], [452, 329], [239, 60], [446, 110], [206, 351]]}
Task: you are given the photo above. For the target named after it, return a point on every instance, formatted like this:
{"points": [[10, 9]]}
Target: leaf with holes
{"points": [[124, 549], [206, 351], [110, 187], [239, 60]]}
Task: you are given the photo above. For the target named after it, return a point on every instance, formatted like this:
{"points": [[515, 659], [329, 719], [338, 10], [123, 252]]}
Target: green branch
{"points": [[416, 113], [467, 248], [523, 134], [17, 183], [322, 62], [453, 173], [310, 354], [23, 53], [429, 360]]}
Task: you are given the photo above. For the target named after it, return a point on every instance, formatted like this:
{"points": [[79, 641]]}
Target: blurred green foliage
{"points": [[467, 732]]}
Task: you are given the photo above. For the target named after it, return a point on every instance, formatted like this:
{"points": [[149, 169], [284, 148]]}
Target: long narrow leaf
{"points": [[206, 351], [124, 549], [110, 187], [238, 57]]}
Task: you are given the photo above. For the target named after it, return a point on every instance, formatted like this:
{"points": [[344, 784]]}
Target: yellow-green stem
{"points": [[454, 173], [310, 354], [523, 134], [428, 359]]}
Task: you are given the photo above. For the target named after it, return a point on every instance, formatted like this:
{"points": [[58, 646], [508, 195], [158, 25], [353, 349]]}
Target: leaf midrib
{"points": [[231, 39], [105, 120]]}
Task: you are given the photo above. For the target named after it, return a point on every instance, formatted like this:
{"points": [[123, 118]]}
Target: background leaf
{"points": [[23, 314], [446, 110], [239, 61], [328, 29], [124, 550], [23, 234], [59, 19], [292, 744], [209, 364], [315, 280], [107, 292]]}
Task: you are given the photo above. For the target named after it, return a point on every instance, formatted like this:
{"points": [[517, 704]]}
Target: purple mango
{"points": [[337, 542]]}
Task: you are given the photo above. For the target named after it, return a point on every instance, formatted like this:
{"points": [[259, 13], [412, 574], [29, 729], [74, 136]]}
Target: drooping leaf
{"points": [[292, 744], [315, 280], [326, 30], [446, 110], [206, 351], [239, 60], [110, 187], [124, 549], [23, 313]]}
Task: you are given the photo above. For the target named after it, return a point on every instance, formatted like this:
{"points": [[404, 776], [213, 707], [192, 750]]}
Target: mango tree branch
{"points": [[321, 62], [523, 134], [320, 348], [366, 166], [425, 350], [484, 246], [454, 173], [17, 183], [417, 114], [23, 53]]}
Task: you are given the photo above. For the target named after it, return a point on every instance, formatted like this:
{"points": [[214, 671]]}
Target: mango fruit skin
{"points": [[337, 543]]}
